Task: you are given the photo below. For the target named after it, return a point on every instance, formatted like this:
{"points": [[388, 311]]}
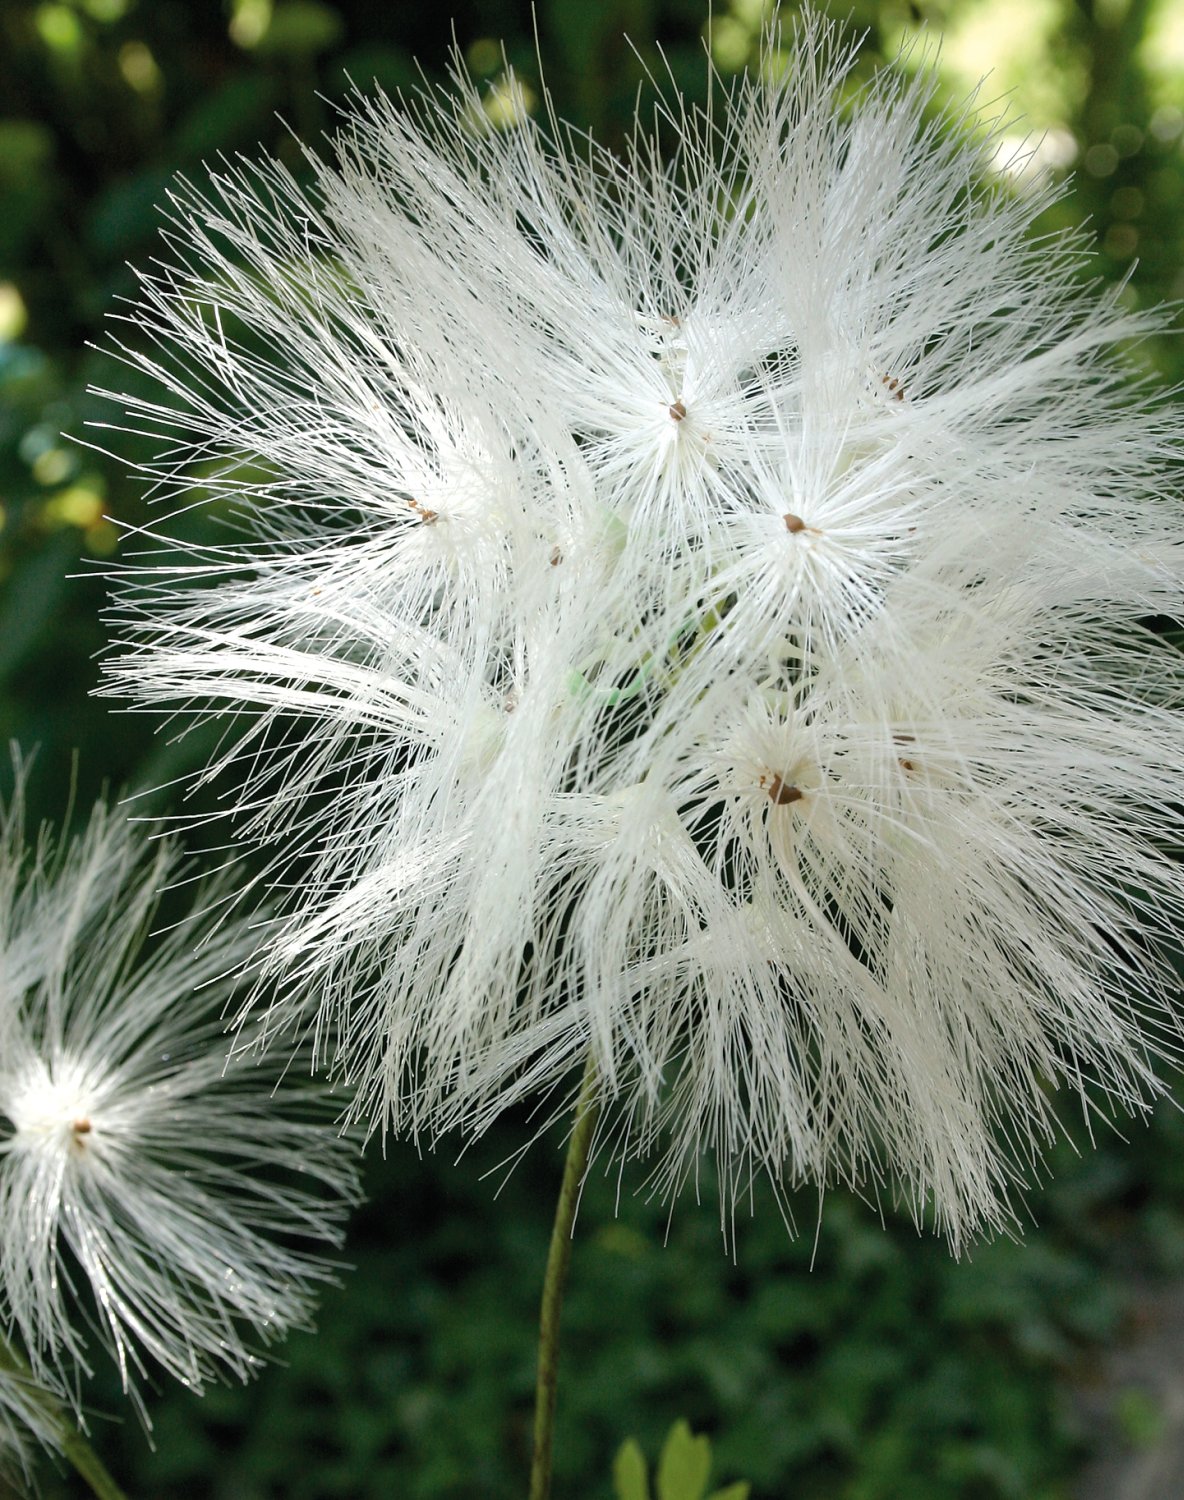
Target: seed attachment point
{"points": [[781, 793]]}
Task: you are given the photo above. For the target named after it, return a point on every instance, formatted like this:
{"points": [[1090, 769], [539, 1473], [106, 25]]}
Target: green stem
{"points": [[68, 1439], [554, 1281]]}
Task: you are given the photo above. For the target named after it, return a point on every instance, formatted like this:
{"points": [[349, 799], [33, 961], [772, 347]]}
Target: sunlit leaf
{"points": [[685, 1465], [630, 1481]]}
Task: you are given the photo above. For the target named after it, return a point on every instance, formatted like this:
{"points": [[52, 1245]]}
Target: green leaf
{"points": [[738, 1491], [685, 1465], [629, 1476]]}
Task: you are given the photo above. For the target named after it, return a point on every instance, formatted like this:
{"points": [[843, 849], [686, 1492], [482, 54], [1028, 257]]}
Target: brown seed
{"points": [[782, 793], [82, 1127], [902, 761], [678, 411], [428, 517], [793, 524], [895, 388]]}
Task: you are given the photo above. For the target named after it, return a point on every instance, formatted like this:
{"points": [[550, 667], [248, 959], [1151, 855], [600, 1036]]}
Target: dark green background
{"points": [[886, 1370]]}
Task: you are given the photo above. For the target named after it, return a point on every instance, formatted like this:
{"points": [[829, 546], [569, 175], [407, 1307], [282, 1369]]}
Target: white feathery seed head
{"points": [[172, 1202], [691, 606]]}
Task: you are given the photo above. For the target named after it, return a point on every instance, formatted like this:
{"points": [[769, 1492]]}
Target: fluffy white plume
{"points": [[147, 1188], [712, 593]]}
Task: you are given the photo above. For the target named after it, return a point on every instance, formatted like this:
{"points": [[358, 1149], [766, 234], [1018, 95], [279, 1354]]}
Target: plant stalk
{"points": [[554, 1282], [69, 1440]]}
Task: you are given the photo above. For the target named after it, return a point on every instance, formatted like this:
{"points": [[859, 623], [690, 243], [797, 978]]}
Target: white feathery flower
{"points": [[147, 1187], [713, 593]]}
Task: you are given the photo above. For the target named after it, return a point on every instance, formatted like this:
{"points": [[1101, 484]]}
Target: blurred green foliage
{"points": [[885, 1369]]}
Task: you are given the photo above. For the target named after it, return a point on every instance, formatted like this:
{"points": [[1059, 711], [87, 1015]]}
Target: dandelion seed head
{"points": [[713, 594], [152, 1188]]}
